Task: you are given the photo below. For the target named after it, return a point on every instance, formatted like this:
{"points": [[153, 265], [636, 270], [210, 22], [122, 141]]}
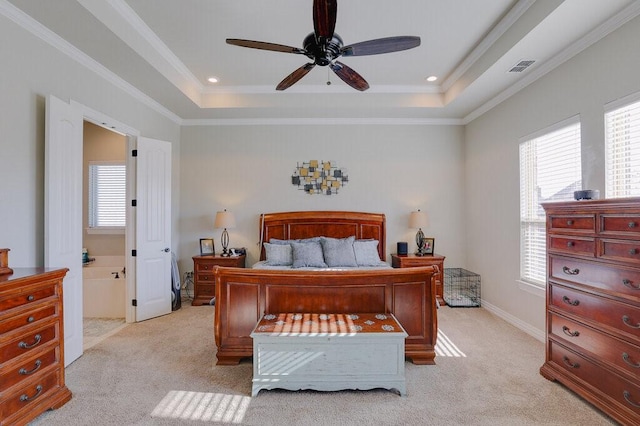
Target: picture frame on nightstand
{"points": [[429, 245], [207, 247]]}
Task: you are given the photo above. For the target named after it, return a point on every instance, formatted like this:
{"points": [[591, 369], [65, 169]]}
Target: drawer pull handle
{"points": [[31, 298], [633, 251], [38, 363], [627, 396], [629, 284], [632, 224], [566, 330], [30, 319], [569, 223], [626, 319], [570, 244], [625, 358], [570, 364], [205, 267], [568, 301], [24, 345], [25, 398], [570, 271]]}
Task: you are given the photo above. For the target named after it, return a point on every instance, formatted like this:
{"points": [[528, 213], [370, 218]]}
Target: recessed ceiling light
{"points": [[432, 78], [212, 79]]}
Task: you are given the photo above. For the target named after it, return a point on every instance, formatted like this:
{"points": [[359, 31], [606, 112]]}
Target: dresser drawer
{"points": [[618, 353], [620, 280], [207, 291], [30, 317], [625, 393], [29, 395], [572, 223], [575, 245], [620, 317], [628, 251], [28, 342], [28, 368], [29, 297], [205, 278], [203, 266], [620, 224]]}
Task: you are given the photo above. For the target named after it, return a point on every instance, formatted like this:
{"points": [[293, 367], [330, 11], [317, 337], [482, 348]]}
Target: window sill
{"points": [[106, 231], [534, 289]]}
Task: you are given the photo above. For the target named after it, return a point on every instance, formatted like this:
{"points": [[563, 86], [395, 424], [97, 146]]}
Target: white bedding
{"points": [[263, 265]]}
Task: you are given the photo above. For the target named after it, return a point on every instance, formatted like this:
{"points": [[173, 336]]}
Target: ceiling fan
{"points": [[324, 46]]}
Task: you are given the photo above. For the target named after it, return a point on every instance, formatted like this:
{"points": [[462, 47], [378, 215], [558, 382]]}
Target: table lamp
{"points": [[225, 219], [419, 220]]}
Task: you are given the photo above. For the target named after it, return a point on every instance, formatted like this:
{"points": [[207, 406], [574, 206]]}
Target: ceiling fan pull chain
{"points": [[328, 77]]}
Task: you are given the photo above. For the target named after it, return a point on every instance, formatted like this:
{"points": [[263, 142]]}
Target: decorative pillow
{"points": [[338, 252], [307, 255], [278, 254], [366, 252]]}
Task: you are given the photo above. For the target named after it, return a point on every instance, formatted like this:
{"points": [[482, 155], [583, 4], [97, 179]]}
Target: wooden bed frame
{"points": [[244, 295]]}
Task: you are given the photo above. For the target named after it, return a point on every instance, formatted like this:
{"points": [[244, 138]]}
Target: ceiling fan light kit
{"points": [[324, 47]]}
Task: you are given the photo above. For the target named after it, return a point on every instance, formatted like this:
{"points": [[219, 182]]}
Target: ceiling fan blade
{"points": [[349, 76], [295, 76], [324, 19], [381, 45], [265, 46]]}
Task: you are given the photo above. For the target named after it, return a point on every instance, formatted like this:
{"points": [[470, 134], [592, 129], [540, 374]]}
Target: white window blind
{"points": [[622, 142], [107, 195], [550, 169]]}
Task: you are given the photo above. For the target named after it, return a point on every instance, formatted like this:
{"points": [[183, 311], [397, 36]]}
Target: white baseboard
{"points": [[527, 328]]}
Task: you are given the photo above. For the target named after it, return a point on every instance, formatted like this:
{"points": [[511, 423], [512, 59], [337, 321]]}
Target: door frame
{"points": [[102, 120]]}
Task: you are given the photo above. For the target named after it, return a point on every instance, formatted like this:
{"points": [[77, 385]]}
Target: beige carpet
{"points": [[163, 372]]}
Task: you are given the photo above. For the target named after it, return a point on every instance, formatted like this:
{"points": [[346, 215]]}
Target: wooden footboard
{"points": [[244, 295]]}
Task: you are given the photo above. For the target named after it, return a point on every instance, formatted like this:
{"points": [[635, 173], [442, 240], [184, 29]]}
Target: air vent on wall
{"points": [[521, 65]]}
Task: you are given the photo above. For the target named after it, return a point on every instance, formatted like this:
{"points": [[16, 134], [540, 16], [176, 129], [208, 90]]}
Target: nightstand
{"points": [[204, 286], [412, 261]]}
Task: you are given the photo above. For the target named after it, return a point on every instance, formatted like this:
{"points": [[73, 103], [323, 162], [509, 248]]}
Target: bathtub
{"points": [[103, 295]]}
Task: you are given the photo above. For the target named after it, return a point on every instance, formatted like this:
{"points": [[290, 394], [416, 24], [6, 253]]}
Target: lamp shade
{"points": [[418, 220], [224, 219]]}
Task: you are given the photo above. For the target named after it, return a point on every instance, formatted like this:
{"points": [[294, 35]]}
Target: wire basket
{"points": [[461, 288]]}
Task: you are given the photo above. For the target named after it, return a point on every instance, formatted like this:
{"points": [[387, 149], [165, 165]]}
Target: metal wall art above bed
{"points": [[319, 177]]}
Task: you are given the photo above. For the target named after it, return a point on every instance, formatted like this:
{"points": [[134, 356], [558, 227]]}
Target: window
{"points": [[550, 169], [622, 144], [107, 195]]}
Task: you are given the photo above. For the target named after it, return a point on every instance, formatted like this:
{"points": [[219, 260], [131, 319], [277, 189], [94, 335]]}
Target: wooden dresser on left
{"points": [[31, 344]]}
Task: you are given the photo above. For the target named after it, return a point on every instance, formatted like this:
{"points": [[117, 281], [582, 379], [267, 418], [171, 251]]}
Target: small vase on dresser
{"points": [[593, 302]]}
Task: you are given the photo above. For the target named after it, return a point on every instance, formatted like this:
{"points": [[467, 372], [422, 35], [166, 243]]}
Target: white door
{"points": [[153, 228], [62, 213]]}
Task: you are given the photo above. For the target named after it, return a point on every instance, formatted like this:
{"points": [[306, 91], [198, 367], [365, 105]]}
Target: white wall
{"points": [[32, 69], [604, 72], [392, 170]]}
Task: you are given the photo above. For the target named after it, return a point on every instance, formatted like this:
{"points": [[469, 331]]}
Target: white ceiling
{"points": [[166, 50]]}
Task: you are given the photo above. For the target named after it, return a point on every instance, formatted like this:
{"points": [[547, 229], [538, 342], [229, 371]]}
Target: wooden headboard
{"points": [[335, 224]]}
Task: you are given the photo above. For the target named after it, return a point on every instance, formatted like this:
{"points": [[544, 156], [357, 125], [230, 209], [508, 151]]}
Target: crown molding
{"points": [[494, 35], [597, 34], [126, 24], [321, 89], [34, 27], [324, 122]]}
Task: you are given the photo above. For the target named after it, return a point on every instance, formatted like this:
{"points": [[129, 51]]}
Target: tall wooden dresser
{"points": [[593, 303], [31, 344]]}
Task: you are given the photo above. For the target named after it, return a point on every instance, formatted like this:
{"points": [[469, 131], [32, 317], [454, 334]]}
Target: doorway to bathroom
{"points": [[104, 277]]}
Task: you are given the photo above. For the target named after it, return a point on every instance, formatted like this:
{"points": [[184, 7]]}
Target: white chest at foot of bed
{"points": [[328, 352]]}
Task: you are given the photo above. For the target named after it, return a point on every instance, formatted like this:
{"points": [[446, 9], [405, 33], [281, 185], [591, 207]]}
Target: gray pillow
{"points": [[366, 252], [278, 254], [307, 255], [338, 251]]}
